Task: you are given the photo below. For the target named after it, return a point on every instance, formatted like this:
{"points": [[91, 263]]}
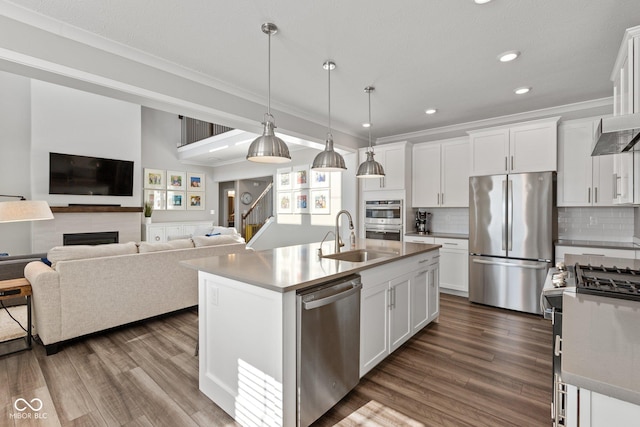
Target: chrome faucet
{"points": [[323, 239], [339, 243]]}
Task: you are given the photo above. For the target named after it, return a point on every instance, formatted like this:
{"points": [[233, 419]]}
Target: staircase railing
{"points": [[259, 212]]}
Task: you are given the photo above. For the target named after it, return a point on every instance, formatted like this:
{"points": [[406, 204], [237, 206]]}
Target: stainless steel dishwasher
{"points": [[328, 340]]}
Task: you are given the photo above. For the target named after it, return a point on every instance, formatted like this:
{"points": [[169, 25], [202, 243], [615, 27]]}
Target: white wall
{"points": [[161, 134], [15, 152], [70, 121]]}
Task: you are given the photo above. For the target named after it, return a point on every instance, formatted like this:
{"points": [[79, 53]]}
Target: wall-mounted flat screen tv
{"points": [[95, 176]]}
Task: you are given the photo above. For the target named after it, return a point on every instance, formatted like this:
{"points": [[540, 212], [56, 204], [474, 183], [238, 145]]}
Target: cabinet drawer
{"points": [[447, 243], [419, 239], [562, 251]]}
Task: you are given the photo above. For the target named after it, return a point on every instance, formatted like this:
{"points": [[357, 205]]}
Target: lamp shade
{"points": [[370, 168], [25, 210], [328, 160], [268, 148]]}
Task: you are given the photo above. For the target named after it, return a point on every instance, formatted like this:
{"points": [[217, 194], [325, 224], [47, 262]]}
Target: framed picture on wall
{"points": [[320, 202], [157, 198], [154, 179], [195, 201], [195, 181], [176, 200], [320, 179], [300, 177], [284, 202], [300, 201], [176, 180], [283, 179]]}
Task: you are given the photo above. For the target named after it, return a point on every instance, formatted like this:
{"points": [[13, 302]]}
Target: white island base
{"points": [[248, 350], [247, 319]]}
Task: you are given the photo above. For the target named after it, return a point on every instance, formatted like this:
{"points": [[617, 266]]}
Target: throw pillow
{"points": [[67, 253], [146, 247], [200, 241]]}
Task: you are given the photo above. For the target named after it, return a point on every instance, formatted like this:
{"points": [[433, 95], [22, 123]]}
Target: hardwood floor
{"points": [[478, 366]]}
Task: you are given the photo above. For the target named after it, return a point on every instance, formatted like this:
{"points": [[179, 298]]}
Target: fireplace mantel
{"points": [[94, 208]]}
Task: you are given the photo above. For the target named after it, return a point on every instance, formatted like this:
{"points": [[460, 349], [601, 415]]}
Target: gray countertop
{"points": [[597, 244], [601, 345], [442, 235], [296, 267]]}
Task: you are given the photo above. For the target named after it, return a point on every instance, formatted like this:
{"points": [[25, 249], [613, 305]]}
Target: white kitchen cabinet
{"points": [[397, 300], [424, 303], [623, 178], [626, 75], [418, 239], [163, 231], [587, 408], [394, 158], [399, 311], [582, 180], [524, 147], [594, 253], [454, 265], [439, 178]]}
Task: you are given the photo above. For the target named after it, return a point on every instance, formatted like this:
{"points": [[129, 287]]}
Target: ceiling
{"points": [[418, 54]]}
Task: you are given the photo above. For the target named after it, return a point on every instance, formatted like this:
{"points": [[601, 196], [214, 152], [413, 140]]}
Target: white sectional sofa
{"points": [[93, 288]]}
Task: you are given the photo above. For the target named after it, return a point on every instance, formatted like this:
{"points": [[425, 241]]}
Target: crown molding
{"points": [[499, 121]]}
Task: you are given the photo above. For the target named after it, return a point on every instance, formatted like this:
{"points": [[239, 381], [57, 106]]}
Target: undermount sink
{"points": [[359, 255]]}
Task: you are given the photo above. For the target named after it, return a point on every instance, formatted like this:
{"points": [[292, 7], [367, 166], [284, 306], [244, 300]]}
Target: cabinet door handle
{"points": [[595, 193], [511, 162], [438, 198], [557, 348], [589, 195], [506, 167], [157, 238]]}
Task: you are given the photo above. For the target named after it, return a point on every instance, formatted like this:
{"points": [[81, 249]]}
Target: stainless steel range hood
{"points": [[616, 134]]}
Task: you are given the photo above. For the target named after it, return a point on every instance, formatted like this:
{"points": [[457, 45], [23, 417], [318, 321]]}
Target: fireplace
{"points": [[99, 238]]}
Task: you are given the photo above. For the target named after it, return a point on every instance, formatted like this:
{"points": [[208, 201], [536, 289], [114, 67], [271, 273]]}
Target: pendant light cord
{"points": [[269, 77], [369, 93], [329, 89]]}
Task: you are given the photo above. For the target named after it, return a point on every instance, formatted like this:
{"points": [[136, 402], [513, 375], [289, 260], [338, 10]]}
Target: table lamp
{"points": [[24, 210]]}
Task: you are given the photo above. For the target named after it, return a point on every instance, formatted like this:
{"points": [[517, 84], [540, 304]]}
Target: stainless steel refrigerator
{"points": [[512, 226]]}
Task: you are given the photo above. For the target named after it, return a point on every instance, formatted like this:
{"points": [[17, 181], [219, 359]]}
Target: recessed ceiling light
{"points": [[431, 111], [508, 56], [522, 90], [481, 1], [366, 125]]}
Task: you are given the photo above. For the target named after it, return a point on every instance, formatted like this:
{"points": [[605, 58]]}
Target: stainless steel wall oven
{"points": [[383, 219]]}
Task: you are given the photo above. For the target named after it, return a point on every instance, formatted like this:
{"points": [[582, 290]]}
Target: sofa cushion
{"points": [[200, 241], [66, 253], [145, 247]]}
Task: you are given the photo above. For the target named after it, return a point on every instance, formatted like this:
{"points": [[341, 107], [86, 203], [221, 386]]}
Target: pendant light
{"points": [[329, 160], [268, 148], [370, 168]]}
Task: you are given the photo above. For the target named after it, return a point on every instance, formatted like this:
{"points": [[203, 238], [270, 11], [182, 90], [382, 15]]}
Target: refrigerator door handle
{"points": [[539, 266], [510, 217], [504, 215]]}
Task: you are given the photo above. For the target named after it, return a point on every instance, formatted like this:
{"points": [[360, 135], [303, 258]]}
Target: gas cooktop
{"points": [[608, 281]]}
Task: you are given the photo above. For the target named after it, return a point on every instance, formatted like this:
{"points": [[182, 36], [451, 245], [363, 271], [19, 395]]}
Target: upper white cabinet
{"points": [[582, 180], [626, 100], [394, 158], [626, 75], [525, 147], [439, 174]]}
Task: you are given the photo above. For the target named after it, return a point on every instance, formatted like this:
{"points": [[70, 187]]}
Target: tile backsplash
{"points": [[585, 223], [604, 224], [448, 220]]}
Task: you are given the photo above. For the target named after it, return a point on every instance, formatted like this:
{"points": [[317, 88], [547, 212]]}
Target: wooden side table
{"points": [[17, 288]]}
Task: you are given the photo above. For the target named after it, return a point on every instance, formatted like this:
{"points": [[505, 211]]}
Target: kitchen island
{"points": [[248, 317]]}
